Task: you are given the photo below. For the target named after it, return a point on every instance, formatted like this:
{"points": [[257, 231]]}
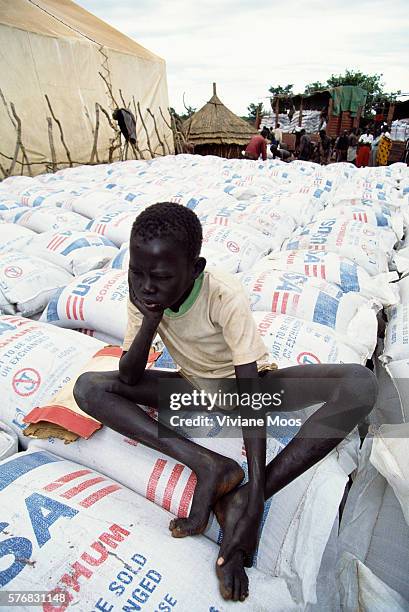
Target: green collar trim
{"points": [[189, 301]]}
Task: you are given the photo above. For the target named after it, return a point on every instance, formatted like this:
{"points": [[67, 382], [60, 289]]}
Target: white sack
{"points": [[96, 300], [390, 456], [104, 546], [350, 315], [334, 268], [36, 360], [27, 283], [76, 252]]}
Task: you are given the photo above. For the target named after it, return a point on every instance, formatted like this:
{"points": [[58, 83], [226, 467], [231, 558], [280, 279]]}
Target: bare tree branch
{"points": [[61, 131], [51, 141], [94, 152], [156, 131], [109, 87], [148, 142], [7, 108]]}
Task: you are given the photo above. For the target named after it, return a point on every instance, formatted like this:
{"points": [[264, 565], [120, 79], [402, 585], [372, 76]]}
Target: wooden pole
{"points": [[214, 89], [277, 110], [300, 117]]}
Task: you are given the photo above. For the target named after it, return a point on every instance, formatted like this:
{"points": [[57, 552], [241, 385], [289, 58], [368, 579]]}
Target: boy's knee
{"points": [[360, 387], [86, 390]]}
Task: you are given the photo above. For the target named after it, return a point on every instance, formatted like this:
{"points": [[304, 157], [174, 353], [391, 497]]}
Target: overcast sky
{"points": [[247, 45]]}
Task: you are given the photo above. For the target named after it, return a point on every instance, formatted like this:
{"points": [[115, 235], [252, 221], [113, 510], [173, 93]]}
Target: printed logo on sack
{"points": [[307, 358], [233, 246], [26, 382], [13, 271]]}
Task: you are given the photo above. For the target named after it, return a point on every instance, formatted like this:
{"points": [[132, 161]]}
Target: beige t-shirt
{"points": [[210, 336]]}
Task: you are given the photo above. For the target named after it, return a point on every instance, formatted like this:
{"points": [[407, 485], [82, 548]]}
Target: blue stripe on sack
{"points": [[20, 214], [77, 244], [38, 200], [130, 197], [192, 203], [89, 225], [325, 311], [52, 308], [118, 259], [381, 220], [349, 277], [15, 468]]}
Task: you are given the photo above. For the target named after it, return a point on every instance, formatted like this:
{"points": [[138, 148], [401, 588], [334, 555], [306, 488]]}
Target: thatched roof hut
{"points": [[215, 130]]}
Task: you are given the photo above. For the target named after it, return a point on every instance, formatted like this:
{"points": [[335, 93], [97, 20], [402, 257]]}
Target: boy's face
{"points": [[160, 273]]}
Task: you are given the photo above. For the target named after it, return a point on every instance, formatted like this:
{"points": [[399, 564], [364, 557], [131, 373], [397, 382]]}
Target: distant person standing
{"points": [[258, 145], [384, 148], [364, 149], [324, 148], [352, 146], [278, 134], [374, 148], [341, 147], [305, 148]]}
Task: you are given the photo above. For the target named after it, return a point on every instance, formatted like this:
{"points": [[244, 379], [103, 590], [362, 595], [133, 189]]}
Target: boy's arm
{"points": [[133, 361], [247, 529]]}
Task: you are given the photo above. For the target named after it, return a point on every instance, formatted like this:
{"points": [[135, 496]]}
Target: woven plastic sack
{"points": [[27, 283], [95, 300]]}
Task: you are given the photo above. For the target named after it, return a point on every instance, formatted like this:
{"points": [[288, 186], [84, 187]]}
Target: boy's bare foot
{"points": [[220, 478], [233, 581]]}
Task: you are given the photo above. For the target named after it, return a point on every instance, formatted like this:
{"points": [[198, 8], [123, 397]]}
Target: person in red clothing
{"points": [[257, 146]]}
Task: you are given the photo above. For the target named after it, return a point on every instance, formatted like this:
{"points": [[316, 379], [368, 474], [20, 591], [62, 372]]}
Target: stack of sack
{"points": [[315, 259]]}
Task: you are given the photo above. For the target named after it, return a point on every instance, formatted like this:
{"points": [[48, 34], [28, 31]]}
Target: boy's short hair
{"points": [[170, 220]]}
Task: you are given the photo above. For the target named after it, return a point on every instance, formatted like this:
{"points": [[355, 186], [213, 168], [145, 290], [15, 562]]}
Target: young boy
{"points": [[204, 319]]}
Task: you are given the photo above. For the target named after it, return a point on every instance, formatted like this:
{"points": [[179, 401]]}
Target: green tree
{"points": [[254, 110], [315, 86], [284, 90]]}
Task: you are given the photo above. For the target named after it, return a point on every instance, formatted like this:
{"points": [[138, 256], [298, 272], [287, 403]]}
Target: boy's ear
{"points": [[199, 266]]}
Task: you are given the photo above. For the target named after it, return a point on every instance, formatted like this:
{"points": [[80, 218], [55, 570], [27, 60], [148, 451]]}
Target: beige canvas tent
{"points": [[215, 130], [55, 48]]}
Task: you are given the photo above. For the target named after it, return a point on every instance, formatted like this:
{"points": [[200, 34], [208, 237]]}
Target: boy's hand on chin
{"points": [[152, 315], [245, 538]]}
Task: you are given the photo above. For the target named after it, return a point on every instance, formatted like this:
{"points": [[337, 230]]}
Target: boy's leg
{"points": [[103, 396], [349, 392]]}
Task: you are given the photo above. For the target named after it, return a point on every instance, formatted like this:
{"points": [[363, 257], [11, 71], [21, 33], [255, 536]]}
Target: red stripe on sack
{"points": [[74, 308], [109, 351], [365, 218], [284, 302], [154, 478], [354, 217], [315, 270], [170, 487], [81, 487], [187, 495], [307, 269], [79, 424], [50, 244], [92, 499], [82, 311], [67, 307], [59, 243], [103, 229], [275, 300], [323, 275], [64, 479]]}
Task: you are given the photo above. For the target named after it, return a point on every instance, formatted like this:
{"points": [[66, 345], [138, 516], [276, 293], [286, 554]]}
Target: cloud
{"points": [[248, 45]]}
